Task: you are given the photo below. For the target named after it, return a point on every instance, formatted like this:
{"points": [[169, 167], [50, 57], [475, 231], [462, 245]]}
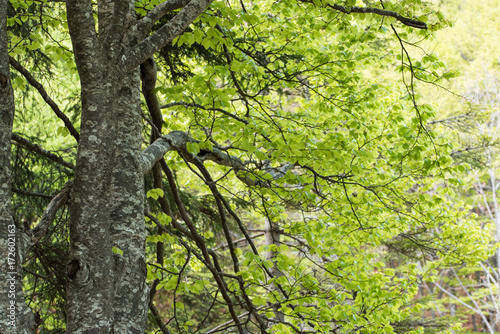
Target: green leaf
{"points": [[117, 250], [155, 193]]}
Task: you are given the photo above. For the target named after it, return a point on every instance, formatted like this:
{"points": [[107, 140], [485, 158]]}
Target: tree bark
{"points": [[107, 292], [15, 316]]}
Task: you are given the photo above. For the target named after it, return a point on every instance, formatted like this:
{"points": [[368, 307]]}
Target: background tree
{"points": [[13, 311]]}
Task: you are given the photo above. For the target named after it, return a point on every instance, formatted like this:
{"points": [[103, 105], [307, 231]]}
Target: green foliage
{"points": [[365, 163], [155, 193]]}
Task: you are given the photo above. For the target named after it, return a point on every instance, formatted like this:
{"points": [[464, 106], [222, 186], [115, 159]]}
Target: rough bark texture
{"points": [[15, 316], [107, 292]]}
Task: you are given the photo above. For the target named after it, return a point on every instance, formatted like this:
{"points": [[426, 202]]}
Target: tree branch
{"points": [[147, 47], [199, 106], [241, 240], [177, 140], [38, 149], [157, 317], [43, 93], [144, 25], [205, 258], [382, 12], [32, 194], [50, 212]]}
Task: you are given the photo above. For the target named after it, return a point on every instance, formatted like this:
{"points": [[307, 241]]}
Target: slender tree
{"points": [[15, 316]]}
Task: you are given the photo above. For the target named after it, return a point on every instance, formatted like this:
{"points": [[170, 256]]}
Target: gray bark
{"points": [[138, 54], [106, 292], [15, 316]]}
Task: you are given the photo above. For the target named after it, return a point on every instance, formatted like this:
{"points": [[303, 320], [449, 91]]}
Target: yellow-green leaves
{"points": [[155, 193], [117, 250]]}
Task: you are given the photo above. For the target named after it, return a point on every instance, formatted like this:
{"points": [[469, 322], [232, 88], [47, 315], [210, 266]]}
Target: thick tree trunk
{"points": [[107, 292], [15, 316], [107, 211]]}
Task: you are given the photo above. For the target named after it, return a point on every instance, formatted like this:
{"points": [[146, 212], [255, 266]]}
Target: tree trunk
{"points": [[107, 292], [272, 237], [15, 316]]}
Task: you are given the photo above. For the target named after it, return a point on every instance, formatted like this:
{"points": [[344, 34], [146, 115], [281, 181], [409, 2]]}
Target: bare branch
{"points": [[177, 140], [214, 268], [50, 212], [39, 87], [37, 149]]}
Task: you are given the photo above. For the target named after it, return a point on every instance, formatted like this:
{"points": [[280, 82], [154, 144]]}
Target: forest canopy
{"points": [[228, 166]]}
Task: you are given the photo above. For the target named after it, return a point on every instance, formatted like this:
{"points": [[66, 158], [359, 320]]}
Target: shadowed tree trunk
{"points": [[15, 316]]}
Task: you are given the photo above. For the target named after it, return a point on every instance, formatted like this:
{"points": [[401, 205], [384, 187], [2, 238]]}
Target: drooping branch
{"points": [[222, 215], [43, 93], [37, 149], [214, 268], [50, 212]]}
